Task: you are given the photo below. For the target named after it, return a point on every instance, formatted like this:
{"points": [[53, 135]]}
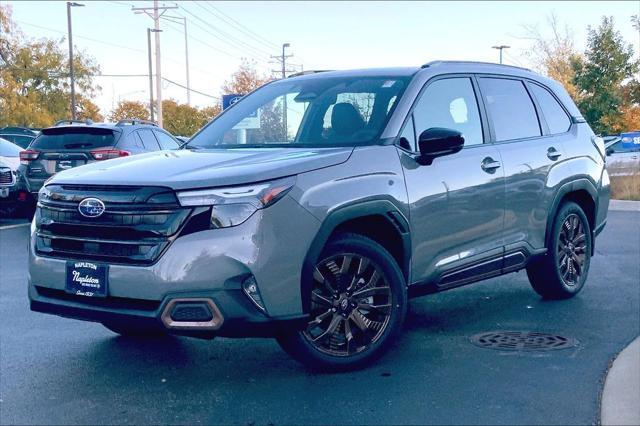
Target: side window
{"points": [[555, 116], [450, 103], [149, 141], [166, 141], [510, 108], [130, 142]]}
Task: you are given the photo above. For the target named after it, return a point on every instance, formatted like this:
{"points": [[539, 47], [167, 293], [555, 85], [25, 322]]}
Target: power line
{"points": [[242, 28], [258, 57], [106, 43], [236, 40], [82, 37], [203, 42], [191, 90]]}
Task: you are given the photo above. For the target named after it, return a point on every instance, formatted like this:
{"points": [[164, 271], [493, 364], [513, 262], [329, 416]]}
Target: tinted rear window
{"points": [[557, 120], [510, 108], [74, 138]]}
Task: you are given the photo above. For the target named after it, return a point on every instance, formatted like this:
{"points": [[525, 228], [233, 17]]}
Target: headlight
{"points": [[44, 194], [233, 205]]}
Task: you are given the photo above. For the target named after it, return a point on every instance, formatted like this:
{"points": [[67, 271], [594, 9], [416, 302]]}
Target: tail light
{"points": [[107, 154], [28, 156]]}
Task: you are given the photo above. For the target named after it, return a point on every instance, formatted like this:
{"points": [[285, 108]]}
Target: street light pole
{"points": [[71, 74], [500, 48]]}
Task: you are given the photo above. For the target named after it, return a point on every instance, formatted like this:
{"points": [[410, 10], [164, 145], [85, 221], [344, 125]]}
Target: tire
{"points": [[563, 271], [134, 330], [355, 317]]}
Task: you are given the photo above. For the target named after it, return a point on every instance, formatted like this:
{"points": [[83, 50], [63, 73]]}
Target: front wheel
{"points": [[562, 272], [358, 304]]}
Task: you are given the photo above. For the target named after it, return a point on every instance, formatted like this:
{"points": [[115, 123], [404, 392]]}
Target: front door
{"points": [[457, 202]]}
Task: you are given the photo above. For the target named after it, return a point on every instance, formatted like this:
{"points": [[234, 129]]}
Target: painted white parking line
{"points": [[14, 226]]}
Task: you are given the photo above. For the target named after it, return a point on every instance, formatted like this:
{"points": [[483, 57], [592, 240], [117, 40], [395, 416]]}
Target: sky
{"points": [[323, 35]]}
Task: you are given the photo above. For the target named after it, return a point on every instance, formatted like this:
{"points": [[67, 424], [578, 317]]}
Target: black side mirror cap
{"points": [[437, 142]]}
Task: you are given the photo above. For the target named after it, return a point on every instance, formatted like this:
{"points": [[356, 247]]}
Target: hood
{"points": [[11, 162], [186, 169]]}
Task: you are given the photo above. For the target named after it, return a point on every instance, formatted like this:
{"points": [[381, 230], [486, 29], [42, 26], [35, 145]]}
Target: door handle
{"points": [[553, 154], [490, 165]]}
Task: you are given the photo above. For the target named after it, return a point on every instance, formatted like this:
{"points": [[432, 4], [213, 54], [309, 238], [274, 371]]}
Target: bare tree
{"points": [[553, 53]]}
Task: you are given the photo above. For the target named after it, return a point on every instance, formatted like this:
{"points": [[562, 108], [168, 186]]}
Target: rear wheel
{"points": [[134, 330], [358, 304], [563, 271]]}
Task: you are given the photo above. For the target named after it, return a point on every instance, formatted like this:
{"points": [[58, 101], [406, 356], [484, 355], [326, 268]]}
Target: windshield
{"points": [[332, 111], [74, 138]]}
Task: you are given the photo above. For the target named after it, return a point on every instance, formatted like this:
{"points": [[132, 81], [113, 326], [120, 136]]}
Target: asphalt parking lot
{"points": [[54, 370]]}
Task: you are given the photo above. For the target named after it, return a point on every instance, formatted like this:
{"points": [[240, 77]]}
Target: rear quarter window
{"points": [[557, 119], [77, 138]]}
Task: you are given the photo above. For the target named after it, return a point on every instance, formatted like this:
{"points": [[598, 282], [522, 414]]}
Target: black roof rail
{"points": [[298, 74], [64, 122], [134, 121], [432, 63]]}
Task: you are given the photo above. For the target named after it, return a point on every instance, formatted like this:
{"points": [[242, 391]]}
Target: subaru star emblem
{"points": [[91, 207]]}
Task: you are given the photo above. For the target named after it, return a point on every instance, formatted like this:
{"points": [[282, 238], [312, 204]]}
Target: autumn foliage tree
{"points": [[182, 119], [34, 79], [606, 79], [129, 110]]}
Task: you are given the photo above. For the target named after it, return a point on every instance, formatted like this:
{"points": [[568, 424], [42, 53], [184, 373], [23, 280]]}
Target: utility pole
{"points": [[500, 48], [186, 56], [183, 21], [149, 31], [155, 14], [71, 74], [283, 59]]}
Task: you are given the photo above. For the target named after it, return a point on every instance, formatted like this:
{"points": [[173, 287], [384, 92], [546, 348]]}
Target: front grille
{"points": [[137, 225], [6, 177]]}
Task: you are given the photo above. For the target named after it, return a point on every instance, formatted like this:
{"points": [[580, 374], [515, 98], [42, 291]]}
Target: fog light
{"points": [[250, 288]]}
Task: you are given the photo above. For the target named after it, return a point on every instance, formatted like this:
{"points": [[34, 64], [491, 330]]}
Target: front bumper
{"points": [[209, 264], [240, 318]]}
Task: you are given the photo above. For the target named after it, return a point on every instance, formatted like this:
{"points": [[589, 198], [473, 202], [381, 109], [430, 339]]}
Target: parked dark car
{"points": [[317, 227], [21, 136], [70, 143]]}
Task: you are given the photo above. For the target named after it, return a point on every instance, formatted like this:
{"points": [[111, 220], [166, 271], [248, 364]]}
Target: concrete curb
{"points": [[624, 205], [621, 395]]}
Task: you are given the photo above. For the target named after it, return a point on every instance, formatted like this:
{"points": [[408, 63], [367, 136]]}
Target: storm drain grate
{"points": [[522, 341]]}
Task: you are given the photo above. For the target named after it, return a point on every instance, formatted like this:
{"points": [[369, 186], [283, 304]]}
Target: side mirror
{"points": [[437, 142], [609, 152]]}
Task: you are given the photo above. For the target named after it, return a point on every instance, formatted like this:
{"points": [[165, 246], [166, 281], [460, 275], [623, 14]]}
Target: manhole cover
{"points": [[522, 341]]}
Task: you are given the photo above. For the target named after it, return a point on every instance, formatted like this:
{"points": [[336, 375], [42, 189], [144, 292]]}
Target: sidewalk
{"points": [[621, 395], [624, 205]]}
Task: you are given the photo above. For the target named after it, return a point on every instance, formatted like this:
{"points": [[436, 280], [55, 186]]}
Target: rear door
{"points": [[529, 152]]}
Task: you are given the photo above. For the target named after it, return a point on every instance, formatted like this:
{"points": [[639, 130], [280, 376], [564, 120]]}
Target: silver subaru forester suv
{"points": [[316, 206]]}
